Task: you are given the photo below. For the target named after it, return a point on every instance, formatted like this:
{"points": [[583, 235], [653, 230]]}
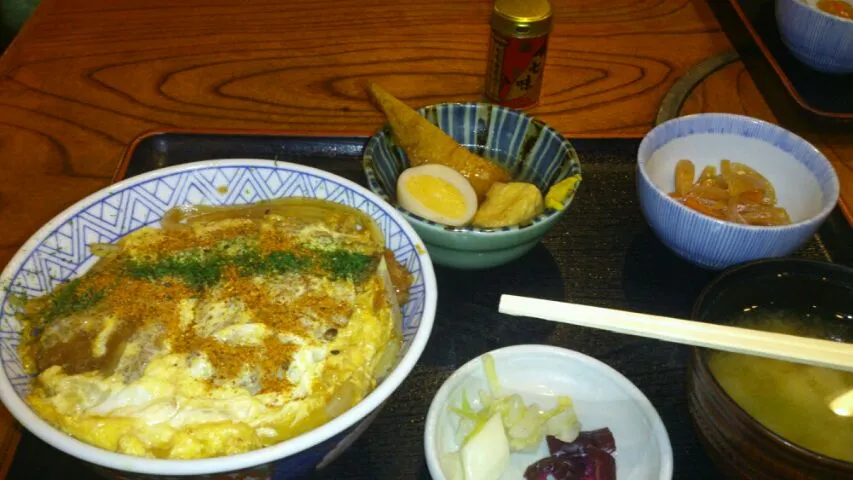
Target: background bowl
{"points": [[58, 251], [739, 445], [602, 398], [822, 41], [805, 182], [532, 151]]}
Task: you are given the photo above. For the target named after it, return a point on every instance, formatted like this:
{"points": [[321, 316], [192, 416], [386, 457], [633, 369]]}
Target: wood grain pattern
{"points": [[732, 90], [85, 78], [10, 435]]}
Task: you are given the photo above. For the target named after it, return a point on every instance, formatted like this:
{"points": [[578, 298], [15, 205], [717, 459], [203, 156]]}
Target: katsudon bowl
{"points": [[60, 251]]}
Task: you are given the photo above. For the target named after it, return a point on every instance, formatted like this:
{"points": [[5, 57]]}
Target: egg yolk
{"points": [[437, 194]]}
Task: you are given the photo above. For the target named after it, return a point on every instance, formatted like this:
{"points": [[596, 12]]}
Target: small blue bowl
{"points": [[805, 182], [532, 152], [822, 41]]}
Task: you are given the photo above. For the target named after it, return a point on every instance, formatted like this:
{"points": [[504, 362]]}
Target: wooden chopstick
{"points": [[822, 353]]}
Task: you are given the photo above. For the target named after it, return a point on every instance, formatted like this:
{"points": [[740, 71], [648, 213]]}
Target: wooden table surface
{"points": [[86, 77]]}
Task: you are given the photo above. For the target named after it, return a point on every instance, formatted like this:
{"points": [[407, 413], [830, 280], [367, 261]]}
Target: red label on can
{"points": [[514, 74]]}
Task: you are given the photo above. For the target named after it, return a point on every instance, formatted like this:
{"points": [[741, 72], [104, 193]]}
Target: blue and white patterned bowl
{"points": [[805, 182], [58, 251], [820, 40], [529, 149]]}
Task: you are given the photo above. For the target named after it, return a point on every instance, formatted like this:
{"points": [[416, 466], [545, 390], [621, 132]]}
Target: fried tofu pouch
{"points": [[423, 143], [509, 204]]}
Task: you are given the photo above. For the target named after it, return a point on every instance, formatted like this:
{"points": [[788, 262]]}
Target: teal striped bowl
{"points": [[532, 151]]}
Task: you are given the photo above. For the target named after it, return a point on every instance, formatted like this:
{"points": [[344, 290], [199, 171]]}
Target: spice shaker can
{"points": [[517, 48]]}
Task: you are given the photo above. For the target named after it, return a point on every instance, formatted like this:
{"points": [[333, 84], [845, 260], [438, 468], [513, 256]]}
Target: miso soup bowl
{"points": [[740, 446], [59, 251], [532, 151], [805, 182]]}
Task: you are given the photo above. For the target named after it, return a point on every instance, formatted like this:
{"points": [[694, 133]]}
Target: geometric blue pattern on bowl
{"points": [[816, 38], [717, 244], [531, 151], [59, 251]]}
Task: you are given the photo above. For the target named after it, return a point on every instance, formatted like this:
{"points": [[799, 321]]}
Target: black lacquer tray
{"points": [[602, 253]]}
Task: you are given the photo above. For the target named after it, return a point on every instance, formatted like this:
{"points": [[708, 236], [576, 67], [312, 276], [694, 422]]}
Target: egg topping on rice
{"points": [[226, 330]]}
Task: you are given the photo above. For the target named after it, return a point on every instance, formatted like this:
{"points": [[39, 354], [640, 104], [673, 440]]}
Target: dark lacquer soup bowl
{"points": [[765, 419]]}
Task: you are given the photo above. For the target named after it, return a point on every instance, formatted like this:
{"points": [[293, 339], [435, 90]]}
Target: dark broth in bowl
{"points": [[792, 400]]}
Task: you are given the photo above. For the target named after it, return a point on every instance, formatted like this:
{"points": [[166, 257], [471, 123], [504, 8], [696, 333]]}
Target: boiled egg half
{"points": [[438, 193]]}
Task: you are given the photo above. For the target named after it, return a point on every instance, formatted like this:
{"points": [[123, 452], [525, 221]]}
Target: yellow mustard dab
{"points": [[560, 191]]}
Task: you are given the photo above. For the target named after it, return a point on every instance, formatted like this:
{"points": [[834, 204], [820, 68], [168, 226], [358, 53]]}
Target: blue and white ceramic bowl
{"points": [[532, 151], [58, 251], [820, 40], [805, 182]]}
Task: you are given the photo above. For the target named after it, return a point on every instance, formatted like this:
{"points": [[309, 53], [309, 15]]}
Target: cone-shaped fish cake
{"points": [[423, 143]]}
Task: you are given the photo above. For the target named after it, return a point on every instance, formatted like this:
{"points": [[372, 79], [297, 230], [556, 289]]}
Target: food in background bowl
{"points": [[839, 8], [226, 330], [738, 194], [60, 252], [818, 33]]}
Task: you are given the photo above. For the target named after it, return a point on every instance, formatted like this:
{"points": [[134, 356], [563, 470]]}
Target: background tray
{"points": [[819, 93], [602, 253]]}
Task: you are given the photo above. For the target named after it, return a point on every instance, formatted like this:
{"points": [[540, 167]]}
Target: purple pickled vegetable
{"points": [[586, 458], [592, 463], [601, 438], [599, 465], [556, 468]]}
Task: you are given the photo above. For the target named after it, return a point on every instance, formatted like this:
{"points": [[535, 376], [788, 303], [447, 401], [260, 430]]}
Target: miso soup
{"points": [[792, 400]]}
